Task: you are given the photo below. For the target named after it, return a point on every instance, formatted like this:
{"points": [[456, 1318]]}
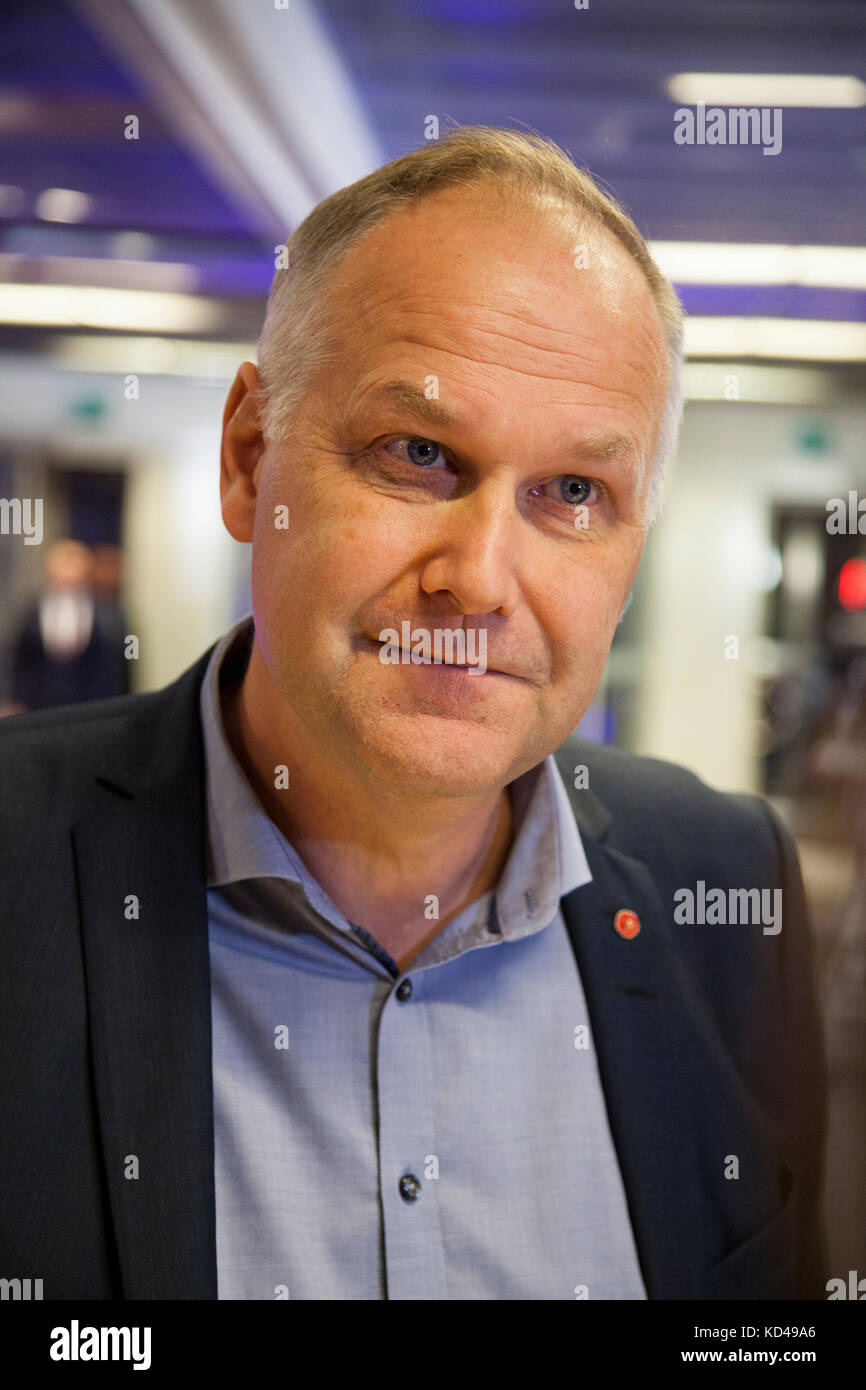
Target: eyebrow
{"points": [[606, 446], [405, 396]]}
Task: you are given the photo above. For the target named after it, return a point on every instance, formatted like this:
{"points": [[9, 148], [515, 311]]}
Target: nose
{"points": [[475, 552]]}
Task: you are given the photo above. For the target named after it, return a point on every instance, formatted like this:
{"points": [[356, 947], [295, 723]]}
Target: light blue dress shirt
{"points": [[452, 1144]]}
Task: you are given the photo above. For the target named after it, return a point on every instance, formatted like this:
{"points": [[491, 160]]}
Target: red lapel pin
{"points": [[626, 923]]}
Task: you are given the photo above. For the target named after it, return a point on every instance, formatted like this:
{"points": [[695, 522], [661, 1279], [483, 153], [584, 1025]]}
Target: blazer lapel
{"points": [[148, 989], [646, 1029], [640, 1025]]}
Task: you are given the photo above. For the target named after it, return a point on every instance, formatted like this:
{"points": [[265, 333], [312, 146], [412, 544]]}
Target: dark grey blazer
{"points": [[708, 1038]]}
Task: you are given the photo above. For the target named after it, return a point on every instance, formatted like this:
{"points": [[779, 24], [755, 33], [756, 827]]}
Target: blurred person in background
{"points": [[107, 574], [69, 644]]}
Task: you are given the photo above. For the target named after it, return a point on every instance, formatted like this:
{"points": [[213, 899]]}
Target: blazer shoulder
{"points": [[659, 806], [131, 741]]}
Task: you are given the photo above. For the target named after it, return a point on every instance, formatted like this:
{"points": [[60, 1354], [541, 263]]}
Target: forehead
{"points": [[525, 302], [470, 247]]}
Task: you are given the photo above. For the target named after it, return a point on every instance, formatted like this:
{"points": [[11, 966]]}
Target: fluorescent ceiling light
{"points": [[62, 205], [109, 273], [133, 246], [765, 89], [150, 356], [746, 263], [807, 340], [710, 381], [86, 306]]}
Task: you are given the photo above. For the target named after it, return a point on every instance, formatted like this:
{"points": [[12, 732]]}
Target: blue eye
{"points": [[574, 490], [422, 452], [566, 488]]}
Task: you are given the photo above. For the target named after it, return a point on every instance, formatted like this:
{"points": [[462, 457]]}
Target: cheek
{"points": [[583, 620], [330, 560], [582, 656]]}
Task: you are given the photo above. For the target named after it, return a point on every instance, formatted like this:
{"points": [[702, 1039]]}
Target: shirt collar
{"points": [[547, 859]]}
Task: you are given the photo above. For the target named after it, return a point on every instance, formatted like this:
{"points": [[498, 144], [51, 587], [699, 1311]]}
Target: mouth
{"points": [[450, 665], [455, 667], [406, 660]]}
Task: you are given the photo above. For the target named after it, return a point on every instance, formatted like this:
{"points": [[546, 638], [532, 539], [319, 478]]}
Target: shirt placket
{"points": [[409, 1164]]}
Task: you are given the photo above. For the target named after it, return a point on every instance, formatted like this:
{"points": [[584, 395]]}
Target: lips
{"points": [[375, 644], [458, 665], [487, 670]]}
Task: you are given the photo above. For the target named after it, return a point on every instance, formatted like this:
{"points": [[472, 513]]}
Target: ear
{"points": [[241, 452]]}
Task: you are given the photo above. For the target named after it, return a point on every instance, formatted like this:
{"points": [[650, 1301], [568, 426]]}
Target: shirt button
{"points": [[404, 990], [410, 1187]]}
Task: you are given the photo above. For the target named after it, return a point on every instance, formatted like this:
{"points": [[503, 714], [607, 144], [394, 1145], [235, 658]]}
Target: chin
{"points": [[435, 755]]}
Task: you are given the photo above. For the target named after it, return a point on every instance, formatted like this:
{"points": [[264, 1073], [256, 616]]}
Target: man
{"points": [[69, 644], [353, 977]]}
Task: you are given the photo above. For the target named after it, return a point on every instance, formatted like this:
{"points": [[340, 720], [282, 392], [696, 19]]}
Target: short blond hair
{"points": [[295, 345]]}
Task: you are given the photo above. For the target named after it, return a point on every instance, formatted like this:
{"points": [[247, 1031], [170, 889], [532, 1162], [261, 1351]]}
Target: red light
{"points": [[852, 585]]}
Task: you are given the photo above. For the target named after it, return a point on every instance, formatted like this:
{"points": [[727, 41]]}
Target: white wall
{"points": [[735, 459]]}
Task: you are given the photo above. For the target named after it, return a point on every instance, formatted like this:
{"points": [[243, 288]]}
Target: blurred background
{"points": [[153, 156]]}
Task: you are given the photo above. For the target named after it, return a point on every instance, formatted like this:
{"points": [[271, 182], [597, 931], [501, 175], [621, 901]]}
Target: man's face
{"points": [[538, 388]]}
